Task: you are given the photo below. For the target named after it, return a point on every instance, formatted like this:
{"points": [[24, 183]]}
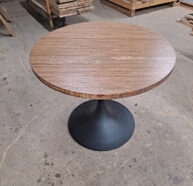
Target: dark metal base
{"points": [[101, 125]]}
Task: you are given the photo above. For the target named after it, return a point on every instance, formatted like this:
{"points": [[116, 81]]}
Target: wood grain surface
{"points": [[102, 60]]}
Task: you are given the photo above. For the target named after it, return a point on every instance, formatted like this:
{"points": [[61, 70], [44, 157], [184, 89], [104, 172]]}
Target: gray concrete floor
{"points": [[35, 146]]}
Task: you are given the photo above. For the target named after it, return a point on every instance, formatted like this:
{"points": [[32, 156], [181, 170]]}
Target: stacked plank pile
{"points": [[187, 20], [63, 8]]}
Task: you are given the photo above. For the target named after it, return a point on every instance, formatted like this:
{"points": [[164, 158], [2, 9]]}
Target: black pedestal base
{"points": [[101, 125]]}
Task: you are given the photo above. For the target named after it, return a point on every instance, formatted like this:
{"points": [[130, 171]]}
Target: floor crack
{"points": [[11, 145], [2, 160]]}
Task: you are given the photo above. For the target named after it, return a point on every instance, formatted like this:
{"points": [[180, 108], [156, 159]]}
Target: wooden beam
{"points": [[152, 3], [49, 13], [5, 13], [7, 26]]}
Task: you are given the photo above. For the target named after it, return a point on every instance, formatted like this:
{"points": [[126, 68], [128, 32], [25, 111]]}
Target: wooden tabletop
{"points": [[102, 60]]}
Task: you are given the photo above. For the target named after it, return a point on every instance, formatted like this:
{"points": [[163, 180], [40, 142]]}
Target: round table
{"points": [[102, 61]]}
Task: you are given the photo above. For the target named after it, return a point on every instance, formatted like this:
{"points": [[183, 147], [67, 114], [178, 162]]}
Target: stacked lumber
{"points": [[63, 8], [188, 21]]}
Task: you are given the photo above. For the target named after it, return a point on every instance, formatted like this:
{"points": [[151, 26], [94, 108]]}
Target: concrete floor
{"points": [[35, 146]]}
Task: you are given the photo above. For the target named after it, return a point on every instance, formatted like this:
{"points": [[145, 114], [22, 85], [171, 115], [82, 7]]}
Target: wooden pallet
{"points": [[129, 7], [186, 22], [60, 8]]}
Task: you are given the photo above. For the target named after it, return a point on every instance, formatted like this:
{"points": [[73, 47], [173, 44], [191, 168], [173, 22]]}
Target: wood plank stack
{"points": [[188, 21], [64, 8]]}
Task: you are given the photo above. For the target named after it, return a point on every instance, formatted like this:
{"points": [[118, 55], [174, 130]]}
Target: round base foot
{"points": [[101, 125]]}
